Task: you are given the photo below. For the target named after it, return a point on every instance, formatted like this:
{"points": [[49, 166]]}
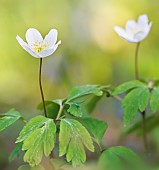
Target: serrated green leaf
{"points": [[127, 86], [41, 139], [118, 157], [75, 109], [130, 105], [15, 152], [72, 137], [30, 127], [52, 108], [95, 127], [144, 98], [81, 91], [136, 99], [9, 118], [154, 99]]}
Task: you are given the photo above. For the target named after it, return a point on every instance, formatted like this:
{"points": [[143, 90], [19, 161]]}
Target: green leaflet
{"points": [[15, 152], [9, 118], [32, 125], [118, 158], [75, 109], [134, 100], [38, 136], [127, 86], [154, 100], [72, 137], [95, 127], [144, 98], [52, 108], [81, 91]]}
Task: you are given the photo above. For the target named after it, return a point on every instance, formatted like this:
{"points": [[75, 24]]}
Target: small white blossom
{"points": [[36, 45], [135, 31]]}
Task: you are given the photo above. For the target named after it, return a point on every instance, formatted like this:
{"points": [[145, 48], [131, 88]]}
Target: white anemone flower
{"points": [[135, 31], [37, 46]]}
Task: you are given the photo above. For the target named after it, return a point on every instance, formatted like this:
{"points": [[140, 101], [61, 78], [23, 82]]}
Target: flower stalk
{"points": [[41, 89], [135, 32], [143, 114], [136, 61], [40, 47]]}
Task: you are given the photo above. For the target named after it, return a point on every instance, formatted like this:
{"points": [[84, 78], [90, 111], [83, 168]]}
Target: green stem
{"points": [[60, 111], [136, 61], [41, 89], [143, 114]]}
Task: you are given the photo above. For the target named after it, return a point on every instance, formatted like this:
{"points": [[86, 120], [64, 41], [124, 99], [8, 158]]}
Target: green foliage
{"points": [[80, 91], [52, 108], [75, 109], [151, 124], [82, 99], [73, 135], [144, 95], [126, 87], [95, 127], [31, 126], [38, 136], [15, 152], [118, 158], [9, 118], [91, 104], [132, 102], [27, 167], [154, 100], [137, 98], [76, 106]]}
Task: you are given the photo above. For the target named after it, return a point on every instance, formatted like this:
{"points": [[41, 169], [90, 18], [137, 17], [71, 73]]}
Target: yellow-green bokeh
{"points": [[90, 53]]}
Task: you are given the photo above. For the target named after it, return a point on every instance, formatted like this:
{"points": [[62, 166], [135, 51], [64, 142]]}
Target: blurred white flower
{"points": [[36, 45], [135, 31]]}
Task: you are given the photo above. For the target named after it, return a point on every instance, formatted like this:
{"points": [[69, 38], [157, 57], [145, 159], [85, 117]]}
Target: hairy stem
{"points": [[41, 89], [136, 61]]}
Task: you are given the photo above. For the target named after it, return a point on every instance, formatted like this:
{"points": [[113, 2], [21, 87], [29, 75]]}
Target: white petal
{"points": [[51, 38], [26, 47], [139, 36], [122, 33], [130, 26], [143, 20], [33, 36], [147, 30], [48, 52]]}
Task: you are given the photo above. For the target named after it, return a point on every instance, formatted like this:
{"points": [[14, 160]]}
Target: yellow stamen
{"points": [[39, 46]]}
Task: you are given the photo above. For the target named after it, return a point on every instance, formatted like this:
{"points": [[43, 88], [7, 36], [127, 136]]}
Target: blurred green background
{"points": [[90, 53]]}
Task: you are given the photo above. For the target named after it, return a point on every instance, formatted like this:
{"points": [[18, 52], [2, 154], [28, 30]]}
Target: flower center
{"points": [[39, 46], [136, 31]]}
